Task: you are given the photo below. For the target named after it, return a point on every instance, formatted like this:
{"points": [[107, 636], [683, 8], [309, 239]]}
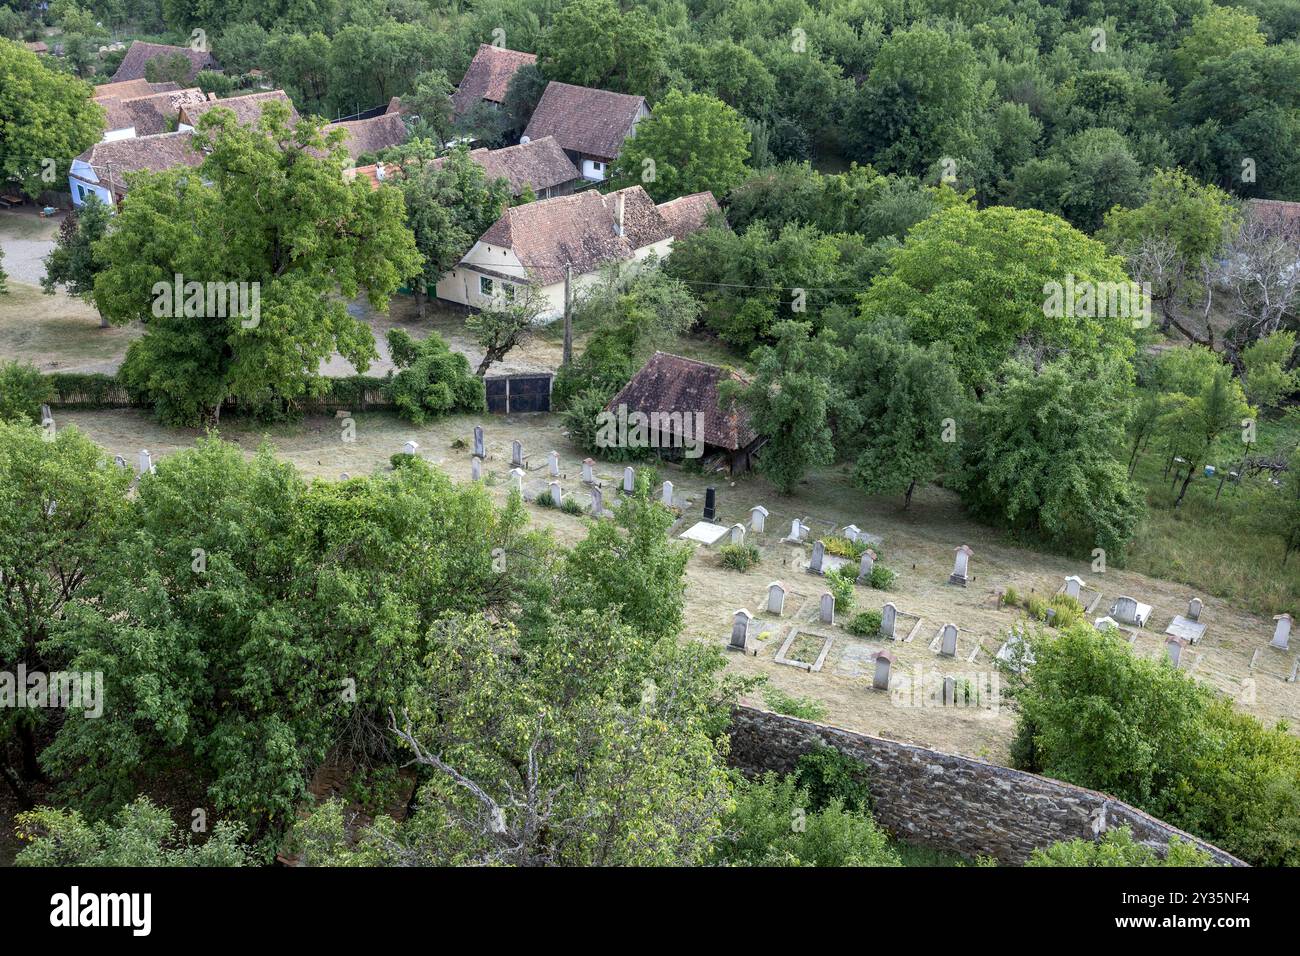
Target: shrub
{"points": [[738, 557], [23, 389], [881, 577], [433, 380], [1010, 598], [544, 500], [840, 583], [1036, 607], [842, 547], [805, 708], [1069, 611], [866, 624], [827, 775], [1118, 848], [570, 507]]}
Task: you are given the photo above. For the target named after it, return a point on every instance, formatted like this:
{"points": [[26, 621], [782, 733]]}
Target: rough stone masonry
{"points": [[951, 802]]}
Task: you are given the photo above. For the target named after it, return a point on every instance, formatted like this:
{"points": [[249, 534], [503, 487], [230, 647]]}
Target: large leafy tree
{"points": [[979, 280], [265, 208], [71, 263], [46, 118], [690, 142], [592, 43]]}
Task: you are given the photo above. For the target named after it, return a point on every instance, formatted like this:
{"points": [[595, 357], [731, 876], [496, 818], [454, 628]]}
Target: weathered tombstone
{"points": [[827, 610], [710, 503], [757, 519], [866, 566], [740, 628], [818, 557], [119, 461], [629, 480], [667, 496], [1104, 624], [1194, 607], [345, 477], [479, 450], [852, 531], [738, 533], [961, 567], [517, 454], [556, 494], [888, 616], [1174, 646], [884, 662], [517, 479], [47, 418], [597, 506], [1125, 609], [1072, 585], [949, 691], [775, 597], [145, 462], [1282, 632], [587, 475], [410, 448], [476, 468], [948, 640], [797, 530], [553, 463]]}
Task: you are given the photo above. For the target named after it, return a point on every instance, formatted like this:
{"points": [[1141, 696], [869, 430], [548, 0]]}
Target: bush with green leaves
{"points": [[23, 389], [738, 557], [881, 577], [570, 507], [828, 774], [840, 583], [805, 708], [866, 623], [432, 379], [544, 500], [1118, 848]]}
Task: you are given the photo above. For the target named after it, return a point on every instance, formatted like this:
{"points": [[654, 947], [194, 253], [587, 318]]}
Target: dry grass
{"points": [[57, 333]]}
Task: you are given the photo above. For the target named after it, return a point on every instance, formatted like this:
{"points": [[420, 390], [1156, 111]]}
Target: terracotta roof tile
{"points": [[371, 135], [130, 89], [113, 160], [583, 120], [488, 76], [669, 383], [140, 53], [247, 108], [149, 115], [687, 214]]}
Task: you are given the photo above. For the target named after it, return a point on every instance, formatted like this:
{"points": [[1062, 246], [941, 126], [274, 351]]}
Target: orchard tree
{"points": [[1199, 411], [1270, 372], [789, 402], [690, 143], [267, 211], [592, 43], [428, 107], [46, 118], [71, 263], [506, 323]]}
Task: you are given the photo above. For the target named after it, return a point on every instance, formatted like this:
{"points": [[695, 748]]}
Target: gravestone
{"points": [[948, 640], [410, 448], [46, 415], [1073, 584], [476, 468], [480, 449], [344, 476], [737, 533], [119, 461], [597, 506], [852, 531], [775, 597], [1125, 609], [145, 462], [827, 609], [866, 566], [818, 558], [757, 519], [1194, 607], [629, 480], [1174, 647], [961, 566], [517, 479], [1282, 632], [587, 475], [740, 629], [667, 495], [884, 662], [517, 454], [556, 494], [888, 616], [710, 503], [797, 530], [949, 691], [553, 463]]}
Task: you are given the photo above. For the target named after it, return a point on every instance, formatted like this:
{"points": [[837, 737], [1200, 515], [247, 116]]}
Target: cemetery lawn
{"points": [[58, 333], [918, 544]]}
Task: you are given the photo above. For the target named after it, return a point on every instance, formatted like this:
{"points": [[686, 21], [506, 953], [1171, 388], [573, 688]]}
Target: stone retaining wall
{"points": [[951, 802]]}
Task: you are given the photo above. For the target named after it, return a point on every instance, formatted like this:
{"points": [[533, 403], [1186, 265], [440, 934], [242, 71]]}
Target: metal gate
{"points": [[509, 394]]}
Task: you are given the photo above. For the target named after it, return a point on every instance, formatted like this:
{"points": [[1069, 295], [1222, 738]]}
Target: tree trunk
{"points": [[489, 357], [907, 498], [25, 801], [1191, 470], [31, 768]]}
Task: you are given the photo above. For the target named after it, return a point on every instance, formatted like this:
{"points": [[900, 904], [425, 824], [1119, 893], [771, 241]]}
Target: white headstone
{"points": [[145, 462], [775, 597], [852, 531], [961, 566], [1125, 609], [476, 468], [827, 609], [948, 640], [587, 475], [818, 558], [796, 530], [1282, 632], [410, 448], [737, 533], [740, 628], [556, 494], [757, 519], [629, 480], [479, 449], [888, 616], [1194, 607], [517, 479], [884, 661], [119, 461], [666, 496], [553, 462], [597, 506], [1174, 646], [517, 454], [866, 566], [1072, 586]]}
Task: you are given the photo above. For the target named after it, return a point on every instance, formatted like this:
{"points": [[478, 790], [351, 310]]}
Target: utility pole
{"points": [[568, 314]]}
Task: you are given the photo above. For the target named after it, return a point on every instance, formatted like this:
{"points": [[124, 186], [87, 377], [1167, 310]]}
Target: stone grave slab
{"points": [[706, 533], [1189, 630]]}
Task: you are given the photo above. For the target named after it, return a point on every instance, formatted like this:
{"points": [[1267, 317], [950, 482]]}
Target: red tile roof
{"points": [[488, 76], [540, 164], [669, 383], [371, 135], [587, 121], [140, 53], [687, 214]]}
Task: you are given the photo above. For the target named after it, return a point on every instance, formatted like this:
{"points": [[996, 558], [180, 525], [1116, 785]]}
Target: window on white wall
{"points": [[484, 285]]}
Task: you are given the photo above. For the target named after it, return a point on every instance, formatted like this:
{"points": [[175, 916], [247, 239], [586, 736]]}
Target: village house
{"points": [[369, 136], [538, 243], [247, 108], [147, 115], [672, 403], [540, 165], [102, 169], [590, 125], [138, 56], [487, 78]]}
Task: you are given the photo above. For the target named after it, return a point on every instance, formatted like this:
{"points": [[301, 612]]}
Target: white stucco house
{"points": [[536, 243], [590, 125]]}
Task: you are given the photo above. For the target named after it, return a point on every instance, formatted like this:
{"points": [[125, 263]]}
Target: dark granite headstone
{"points": [[710, 503]]}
